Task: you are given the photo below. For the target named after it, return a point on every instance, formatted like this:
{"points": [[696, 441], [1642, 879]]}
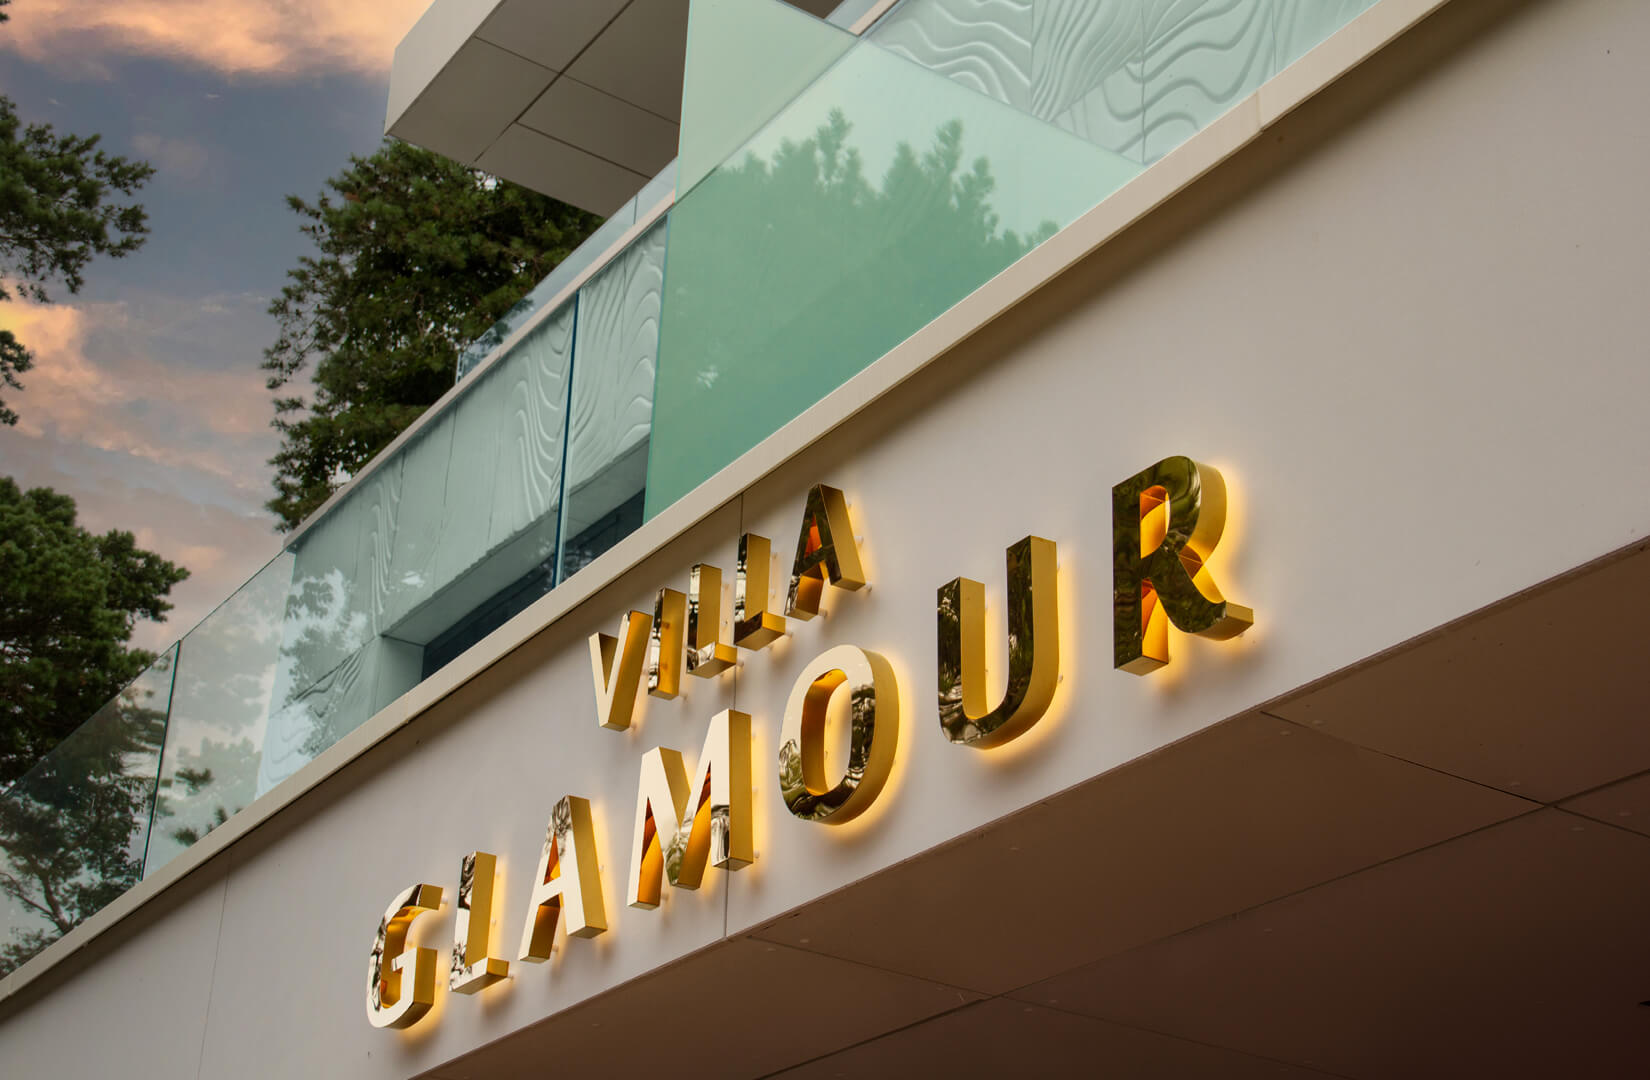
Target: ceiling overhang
{"points": [[578, 99]]}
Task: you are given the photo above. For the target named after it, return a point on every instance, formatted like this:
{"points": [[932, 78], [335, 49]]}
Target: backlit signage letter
{"points": [[872, 703], [665, 650], [826, 551], [754, 626], [1033, 649], [707, 653], [680, 827], [1165, 523], [473, 966], [568, 880], [616, 665], [396, 996]]}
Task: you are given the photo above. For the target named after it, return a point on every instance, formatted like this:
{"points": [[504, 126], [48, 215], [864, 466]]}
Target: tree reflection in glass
{"points": [[73, 829]]}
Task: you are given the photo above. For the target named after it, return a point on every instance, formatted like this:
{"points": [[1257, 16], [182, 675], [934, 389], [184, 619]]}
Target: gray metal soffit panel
{"points": [[580, 100]]}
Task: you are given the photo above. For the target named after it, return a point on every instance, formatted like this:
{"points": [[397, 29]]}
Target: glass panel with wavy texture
{"points": [[335, 668], [488, 497], [614, 363], [841, 228], [595, 245], [1135, 76], [1301, 25], [74, 827]]}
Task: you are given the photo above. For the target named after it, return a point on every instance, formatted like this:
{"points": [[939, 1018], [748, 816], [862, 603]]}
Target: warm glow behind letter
{"points": [[1165, 523], [397, 997], [1033, 649]]}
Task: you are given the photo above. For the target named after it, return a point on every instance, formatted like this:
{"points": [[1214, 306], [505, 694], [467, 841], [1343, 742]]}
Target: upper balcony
{"points": [[789, 197]]}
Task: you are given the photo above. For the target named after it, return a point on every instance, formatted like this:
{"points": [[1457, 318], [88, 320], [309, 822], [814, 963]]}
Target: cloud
{"points": [[148, 440], [95, 381], [183, 158], [260, 37]]}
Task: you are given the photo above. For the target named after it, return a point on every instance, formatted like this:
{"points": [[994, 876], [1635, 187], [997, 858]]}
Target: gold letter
{"points": [[472, 967], [395, 996], [664, 652], [707, 653], [1033, 649], [754, 626], [569, 878], [1165, 523], [873, 709], [824, 552], [616, 680], [679, 828]]}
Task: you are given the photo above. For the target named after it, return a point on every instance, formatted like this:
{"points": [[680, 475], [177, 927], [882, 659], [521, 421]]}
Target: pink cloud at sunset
{"points": [[259, 37], [174, 454]]}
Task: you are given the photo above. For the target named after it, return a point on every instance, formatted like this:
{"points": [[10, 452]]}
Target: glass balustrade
{"points": [[833, 195], [73, 829]]}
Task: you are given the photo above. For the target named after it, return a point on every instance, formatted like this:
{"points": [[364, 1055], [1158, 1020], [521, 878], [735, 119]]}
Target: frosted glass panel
{"points": [[595, 245], [408, 575], [614, 366], [527, 478], [488, 514], [221, 694], [1303, 24], [1135, 76], [745, 59], [1202, 58], [74, 827], [837, 231], [1073, 63]]}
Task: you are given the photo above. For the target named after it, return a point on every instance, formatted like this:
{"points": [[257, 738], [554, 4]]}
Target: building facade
{"points": [[1028, 544]]}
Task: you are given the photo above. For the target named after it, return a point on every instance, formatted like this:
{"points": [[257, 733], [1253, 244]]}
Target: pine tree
{"points": [[59, 208], [68, 602], [416, 257]]}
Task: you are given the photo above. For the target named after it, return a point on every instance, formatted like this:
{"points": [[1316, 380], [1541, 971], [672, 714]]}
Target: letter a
{"points": [[825, 552]]}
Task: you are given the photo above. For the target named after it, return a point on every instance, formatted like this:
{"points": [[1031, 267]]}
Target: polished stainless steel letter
{"points": [[616, 666], [664, 652], [1165, 523], [473, 965], [1033, 649], [873, 713], [826, 551], [707, 653], [397, 997], [681, 827], [569, 879], [754, 626]]}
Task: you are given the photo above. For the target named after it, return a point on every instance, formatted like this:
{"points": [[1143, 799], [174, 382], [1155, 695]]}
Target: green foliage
{"points": [[417, 256], [68, 602], [59, 208]]}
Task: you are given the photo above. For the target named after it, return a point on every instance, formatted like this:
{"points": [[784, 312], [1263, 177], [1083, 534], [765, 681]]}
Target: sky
{"points": [[146, 403]]}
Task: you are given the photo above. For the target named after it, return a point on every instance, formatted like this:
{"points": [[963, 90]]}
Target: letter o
{"points": [[874, 711]]}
